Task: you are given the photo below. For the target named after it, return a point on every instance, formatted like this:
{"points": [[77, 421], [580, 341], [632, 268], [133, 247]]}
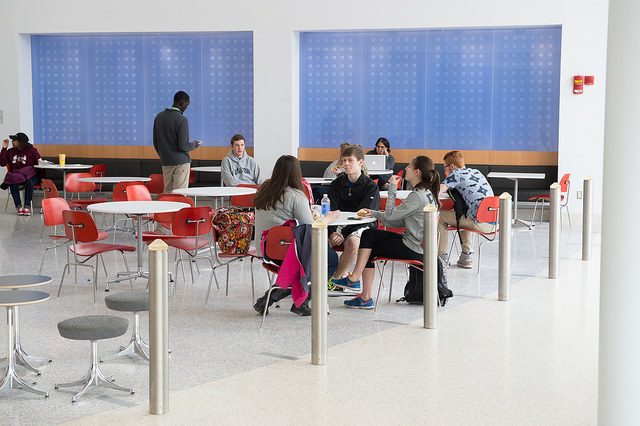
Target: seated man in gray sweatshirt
{"points": [[238, 167]]}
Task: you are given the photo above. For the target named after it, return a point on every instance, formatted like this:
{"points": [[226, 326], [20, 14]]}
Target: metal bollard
{"points": [[554, 230], [587, 221], [158, 328], [504, 251], [319, 293], [430, 261]]}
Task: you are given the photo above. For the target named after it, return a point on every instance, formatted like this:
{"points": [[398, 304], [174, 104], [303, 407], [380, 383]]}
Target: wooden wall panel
{"points": [[118, 151], [508, 158]]}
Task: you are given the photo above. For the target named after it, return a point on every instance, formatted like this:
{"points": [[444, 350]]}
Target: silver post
{"points": [[319, 243], [586, 218], [554, 230], [504, 251], [158, 328], [430, 261]]}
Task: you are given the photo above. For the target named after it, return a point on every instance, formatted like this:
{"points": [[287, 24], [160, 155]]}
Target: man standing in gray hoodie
{"points": [[238, 167], [171, 141]]}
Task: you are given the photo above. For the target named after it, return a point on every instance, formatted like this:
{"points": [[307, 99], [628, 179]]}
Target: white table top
{"points": [[513, 175], [22, 297], [380, 172], [65, 167], [114, 179], [207, 169], [318, 180], [215, 191], [343, 219], [137, 207], [403, 194]]}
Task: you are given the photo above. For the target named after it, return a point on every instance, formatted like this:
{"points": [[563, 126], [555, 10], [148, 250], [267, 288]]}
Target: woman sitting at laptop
{"points": [[383, 147]]}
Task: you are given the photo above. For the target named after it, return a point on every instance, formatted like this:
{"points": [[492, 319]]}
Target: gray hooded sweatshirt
{"points": [[240, 170]]}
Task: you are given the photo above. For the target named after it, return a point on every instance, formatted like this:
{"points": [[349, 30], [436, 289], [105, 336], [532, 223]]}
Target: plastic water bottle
{"points": [[326, 204]]}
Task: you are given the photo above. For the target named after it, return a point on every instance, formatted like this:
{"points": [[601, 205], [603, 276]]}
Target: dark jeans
{"points": [[386, 244], [28, 191]]}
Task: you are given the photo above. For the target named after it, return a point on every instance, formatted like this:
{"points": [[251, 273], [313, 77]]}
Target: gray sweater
{"points": [[171, 138], [295, 206], [409, 215], [240, 170]]}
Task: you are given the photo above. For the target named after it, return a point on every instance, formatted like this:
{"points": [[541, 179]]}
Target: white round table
{"points": [[114, 179], [209, 169], [380, 172], [64, 172], [318, 180], [351, 218], [215, 192], [139, 209]]}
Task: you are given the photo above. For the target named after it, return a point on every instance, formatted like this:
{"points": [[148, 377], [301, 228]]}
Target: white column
{"points": [[619, 362]]}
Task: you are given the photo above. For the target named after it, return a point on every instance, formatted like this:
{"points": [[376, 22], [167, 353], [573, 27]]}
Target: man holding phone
{"points": [[171, 141]]}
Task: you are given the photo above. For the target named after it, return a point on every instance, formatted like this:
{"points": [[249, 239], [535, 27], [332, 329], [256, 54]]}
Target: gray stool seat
{"points": [[128, 301], [93, 327]]}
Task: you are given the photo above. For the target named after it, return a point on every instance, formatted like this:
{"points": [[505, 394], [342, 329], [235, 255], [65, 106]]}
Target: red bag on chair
{"points": [[234, 229]]}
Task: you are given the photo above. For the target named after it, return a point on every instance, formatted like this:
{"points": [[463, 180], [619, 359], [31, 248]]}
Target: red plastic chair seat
{"points": [[91, 249], [251, 252]]}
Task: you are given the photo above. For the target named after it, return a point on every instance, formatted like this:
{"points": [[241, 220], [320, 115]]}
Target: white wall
{"points": [[275, 24]]}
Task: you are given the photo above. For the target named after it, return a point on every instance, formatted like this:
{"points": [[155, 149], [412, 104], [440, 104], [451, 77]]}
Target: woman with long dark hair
{"points": [[383, 147], [21, 158], [407, 245], [279, 199]]}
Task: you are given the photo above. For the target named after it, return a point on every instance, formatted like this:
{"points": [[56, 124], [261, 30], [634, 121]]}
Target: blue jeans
{"points": [[28, 191]]}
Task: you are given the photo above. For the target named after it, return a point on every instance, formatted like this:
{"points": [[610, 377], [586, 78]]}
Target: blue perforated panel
{"points": [[526, 89], [107, 89], [488, 89], [459, 89], [330, 88], [394, 87]]}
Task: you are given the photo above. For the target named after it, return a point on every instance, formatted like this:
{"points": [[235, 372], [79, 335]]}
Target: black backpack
{"points": [[413, 289], [459, 206]]}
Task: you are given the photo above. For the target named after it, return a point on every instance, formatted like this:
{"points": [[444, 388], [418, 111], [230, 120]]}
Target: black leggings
{"points": [[386, 244]]}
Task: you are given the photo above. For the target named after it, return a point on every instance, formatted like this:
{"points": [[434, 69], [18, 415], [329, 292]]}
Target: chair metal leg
{"points": [[375, 308], [266, 305], [93, 378]]}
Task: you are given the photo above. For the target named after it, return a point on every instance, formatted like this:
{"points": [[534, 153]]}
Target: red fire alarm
{"points": [[588, 80], [577, 84]]}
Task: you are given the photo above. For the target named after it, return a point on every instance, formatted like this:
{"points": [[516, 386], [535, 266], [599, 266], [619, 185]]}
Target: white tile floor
{"points": [[532, 360]]}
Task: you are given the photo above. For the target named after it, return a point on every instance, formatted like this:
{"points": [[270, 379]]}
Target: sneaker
{"points": [[26, 211], [465, 260], [303, 310], [360, 303], [20, 211], [347, 284], [444, 258]]}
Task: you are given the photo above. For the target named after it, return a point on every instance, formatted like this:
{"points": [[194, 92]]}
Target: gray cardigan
{"points": [[295, 206], [407, 215]]}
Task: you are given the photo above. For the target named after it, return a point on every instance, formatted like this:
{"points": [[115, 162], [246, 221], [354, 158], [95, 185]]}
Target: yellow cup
{"points": [[62, 159]]}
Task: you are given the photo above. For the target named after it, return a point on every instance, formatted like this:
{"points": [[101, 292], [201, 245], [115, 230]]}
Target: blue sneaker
{"points": [[347, 284], [360, 303]]}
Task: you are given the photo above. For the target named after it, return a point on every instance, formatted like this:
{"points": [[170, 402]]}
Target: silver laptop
{"points": [[375, 162]]}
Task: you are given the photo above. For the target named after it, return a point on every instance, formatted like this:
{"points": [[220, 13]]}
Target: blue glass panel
{"points": [[227, 61], [116, 95], [459, 89], [330, 89], [173, 63], [59, 65], [526, 89], [393, 78]]}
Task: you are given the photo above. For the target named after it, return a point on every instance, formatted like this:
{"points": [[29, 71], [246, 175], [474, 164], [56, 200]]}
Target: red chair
{"points": [[245, 201], [190, 224], [565, 185], [276, 246], [120, 190], [74, 186], [81, 229], [52, 209], [384, 260], [165, 219], [138, 192], [50, 191], [98, 170], [192, 177], [156, 184], [487, 212]]}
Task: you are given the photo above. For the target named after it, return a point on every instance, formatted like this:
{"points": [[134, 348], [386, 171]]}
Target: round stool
{"points": [[93, 328], [136, 302]]}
